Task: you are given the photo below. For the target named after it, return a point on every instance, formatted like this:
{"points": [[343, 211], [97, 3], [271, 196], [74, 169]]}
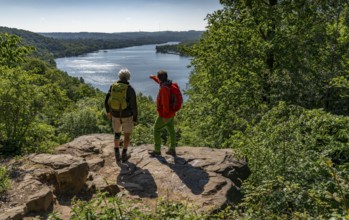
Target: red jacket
{"points": [[163, 100]]}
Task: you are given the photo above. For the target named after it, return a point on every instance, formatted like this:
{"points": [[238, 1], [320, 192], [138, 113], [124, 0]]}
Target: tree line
{"points": [[180, 49], [53, 45]]}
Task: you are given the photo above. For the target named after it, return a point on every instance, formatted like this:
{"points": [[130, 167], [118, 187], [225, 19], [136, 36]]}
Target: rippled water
{"points": [[100, 68]]}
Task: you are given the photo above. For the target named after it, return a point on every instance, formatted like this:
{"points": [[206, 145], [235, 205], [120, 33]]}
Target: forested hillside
{"points": [[270, 80], [45, 48], [79, 43], [164, 36], [52, 45]]}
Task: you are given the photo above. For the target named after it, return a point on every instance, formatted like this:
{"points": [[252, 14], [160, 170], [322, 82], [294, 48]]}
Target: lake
{"points": [[100, 68]]}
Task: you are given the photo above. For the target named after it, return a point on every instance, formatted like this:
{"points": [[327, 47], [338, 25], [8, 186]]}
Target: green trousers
{"points": [[158, 126]]}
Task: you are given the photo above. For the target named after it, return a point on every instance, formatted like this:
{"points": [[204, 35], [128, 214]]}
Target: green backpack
{"points": [[117, 99]]}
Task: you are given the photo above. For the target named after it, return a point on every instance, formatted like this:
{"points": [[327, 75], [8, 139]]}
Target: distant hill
{"points": [[181, 36], [34, 39], [46, 47], [54, 45]]}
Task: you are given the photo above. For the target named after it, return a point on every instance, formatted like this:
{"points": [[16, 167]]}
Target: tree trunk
{"points": [[270, 56]]}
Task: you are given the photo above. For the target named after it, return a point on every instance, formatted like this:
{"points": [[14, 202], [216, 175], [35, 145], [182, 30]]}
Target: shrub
{"points": [[85, 118], [299, 163], [104, 207], [4, 179]]}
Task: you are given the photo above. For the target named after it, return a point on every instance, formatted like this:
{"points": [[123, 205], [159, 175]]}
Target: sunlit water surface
{"points": [[100, 68]]}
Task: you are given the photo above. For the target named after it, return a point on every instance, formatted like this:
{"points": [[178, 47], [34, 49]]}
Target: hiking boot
{"points": [[117, 155], [154, 153], [171, 152], [117, 158], [125, 157]]}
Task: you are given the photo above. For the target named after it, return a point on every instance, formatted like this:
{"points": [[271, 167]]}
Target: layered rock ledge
{"points": [[208, 178]]}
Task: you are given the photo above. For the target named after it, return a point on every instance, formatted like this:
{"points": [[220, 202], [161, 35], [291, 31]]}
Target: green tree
{"points": [[22, 103], [11, 52], [299, 164], [86, 117], [4, 179], [257, 53], [33, 96]]}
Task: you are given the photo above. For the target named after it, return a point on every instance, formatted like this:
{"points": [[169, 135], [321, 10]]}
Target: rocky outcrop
{"points": [[70, 172], [208, 178]]}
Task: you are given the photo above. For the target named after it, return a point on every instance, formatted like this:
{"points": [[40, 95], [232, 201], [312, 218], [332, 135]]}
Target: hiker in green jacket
{"points": [[121, 107]]}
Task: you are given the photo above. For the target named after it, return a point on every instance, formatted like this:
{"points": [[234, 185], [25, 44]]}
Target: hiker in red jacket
{"points": [[165, 117]]}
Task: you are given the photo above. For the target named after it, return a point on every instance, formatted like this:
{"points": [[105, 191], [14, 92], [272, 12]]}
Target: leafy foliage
{"points": [[23, 94], [4, 179], [86, 117], [295, 157], [255, 54], [179, 49], [11, 53], [33, 97], [105, 207]]}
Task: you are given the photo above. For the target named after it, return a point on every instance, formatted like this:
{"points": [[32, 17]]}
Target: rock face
{"points": [[208, 178]]}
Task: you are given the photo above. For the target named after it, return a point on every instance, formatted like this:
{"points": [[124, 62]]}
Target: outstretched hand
{"points": [[155, 78]]}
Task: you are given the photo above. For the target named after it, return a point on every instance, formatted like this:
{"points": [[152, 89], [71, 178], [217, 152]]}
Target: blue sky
{"points": [[106, 15]]}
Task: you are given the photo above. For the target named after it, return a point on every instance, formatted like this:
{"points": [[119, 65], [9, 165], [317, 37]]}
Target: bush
{"points": [[85, 118], [42, 139], [104, 207], [299, 163], [142, 135], [4, 179]]}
